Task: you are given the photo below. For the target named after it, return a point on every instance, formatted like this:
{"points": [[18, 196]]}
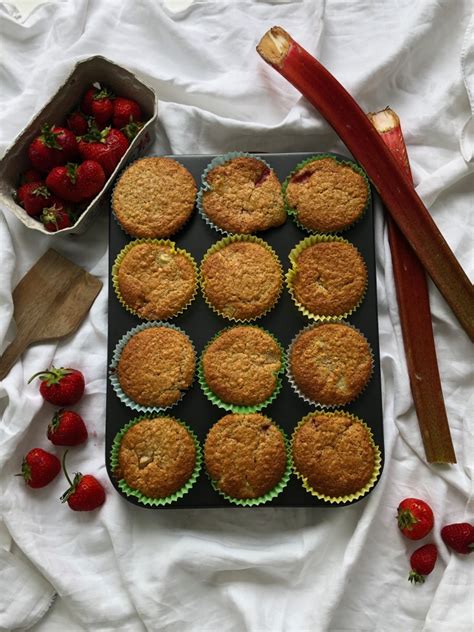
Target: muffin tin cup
{"points": [[225, 242], [293, 213], [296, 388], [235, 408], [145, 500], [113, 377], [349, 497], [174, 249], [117, 179], [217, 162], [273, 493], [290, 276]]}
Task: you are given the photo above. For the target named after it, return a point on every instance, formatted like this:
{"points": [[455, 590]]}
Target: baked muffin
{"points": [[241, 365], [156, 366], [241, 279], [327, 195], [154, 197], [155, 279], [243, 196], [156, 457], [330, 364], [328, 278], [334, 453], [245, 455]]}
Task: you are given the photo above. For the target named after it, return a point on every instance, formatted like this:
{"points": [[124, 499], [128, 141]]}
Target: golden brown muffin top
{"points": [[242, 280], [241, 365], [327, 195], [156, 365], [156, 457], [245, 455], [330, 278], [334, 453], [245, 196], [156, 280], [154, 197], [331, 363]]}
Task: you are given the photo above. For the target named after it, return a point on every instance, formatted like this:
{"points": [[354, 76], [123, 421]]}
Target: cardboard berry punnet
{"points": [[94, 69]]}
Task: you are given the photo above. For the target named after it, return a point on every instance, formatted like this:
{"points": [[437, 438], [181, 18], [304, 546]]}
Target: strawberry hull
{"points": [[68, 96]]}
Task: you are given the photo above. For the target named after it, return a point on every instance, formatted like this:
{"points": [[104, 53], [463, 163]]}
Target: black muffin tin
{"points": [[284, 321]]}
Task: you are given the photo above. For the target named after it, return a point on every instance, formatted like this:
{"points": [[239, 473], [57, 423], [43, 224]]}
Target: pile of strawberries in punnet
{"points": [[71, 164]]}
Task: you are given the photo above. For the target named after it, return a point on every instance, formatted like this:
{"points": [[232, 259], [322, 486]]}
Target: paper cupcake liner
{"points": [[235, 408], [119, 175], [349, 497], [145, 500], [113, 377], [162, 242], [217, 162], [273, 493], [350, 163], [296, 388], [290, 275], [225, 242]]}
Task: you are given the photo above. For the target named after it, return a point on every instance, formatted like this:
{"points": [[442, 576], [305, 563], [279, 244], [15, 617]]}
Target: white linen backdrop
{"points": [[265, 570]]}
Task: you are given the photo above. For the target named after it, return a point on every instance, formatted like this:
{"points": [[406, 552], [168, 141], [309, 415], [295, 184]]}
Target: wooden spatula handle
{"points": [[11, 355]]}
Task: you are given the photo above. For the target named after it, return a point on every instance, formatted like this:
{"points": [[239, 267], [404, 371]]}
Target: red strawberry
{"points": [[77, 183], [34, 197], [56, 216], [422, 562], [55, 146], [415, 518], [102, 107], [67, 428], [125, 111], [78, 123], [105, 147], [86, 103], [85, 492], [459, 536], [61, 387], [39, 468], [31, 175]]}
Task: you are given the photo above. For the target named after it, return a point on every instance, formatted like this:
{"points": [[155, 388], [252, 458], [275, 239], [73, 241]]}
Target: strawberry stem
{"points": [[416, 578], [65, 470]]}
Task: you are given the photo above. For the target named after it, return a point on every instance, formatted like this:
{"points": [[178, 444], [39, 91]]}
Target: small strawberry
{"points": [[31, 175], [125, 111], [85, 493], [34, 197], [56, 216], [102, 107], [415, 518], [67, 428], [78, 123], [459, 536], [86, 103], [105, 147], [76, 183], [55, 146], [39, 468], [61, 387], [422, 562]]}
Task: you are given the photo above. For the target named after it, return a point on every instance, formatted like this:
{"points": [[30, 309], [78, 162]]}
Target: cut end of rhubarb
{"points": [[385, 120], [274, 45]]}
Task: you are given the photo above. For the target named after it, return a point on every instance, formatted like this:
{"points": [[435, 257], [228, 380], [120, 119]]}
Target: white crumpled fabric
{"points": [[267, 570]]}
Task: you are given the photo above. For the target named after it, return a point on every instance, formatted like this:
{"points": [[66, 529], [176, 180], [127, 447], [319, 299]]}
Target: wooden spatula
{"points": [[50, 302]]}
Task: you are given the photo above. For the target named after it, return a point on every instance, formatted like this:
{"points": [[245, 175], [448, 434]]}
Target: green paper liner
{"points": [[225, 242], [296, 388], [349, 497], [113, 377], [290, 275], [161, 242], [235, 408], [350, 163], [145, 500], [217, 162], [119, 175], [273, 493]]}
